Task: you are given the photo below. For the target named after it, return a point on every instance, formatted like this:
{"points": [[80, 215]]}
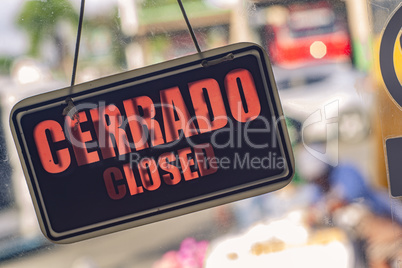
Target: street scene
{"points": [[337, 211]]}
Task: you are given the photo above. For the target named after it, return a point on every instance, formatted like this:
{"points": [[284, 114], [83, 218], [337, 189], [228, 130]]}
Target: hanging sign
{"points": [[154, 143]]}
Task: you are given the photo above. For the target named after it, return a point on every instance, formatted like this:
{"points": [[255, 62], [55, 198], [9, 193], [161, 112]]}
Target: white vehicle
{"points": [[324, 94]]}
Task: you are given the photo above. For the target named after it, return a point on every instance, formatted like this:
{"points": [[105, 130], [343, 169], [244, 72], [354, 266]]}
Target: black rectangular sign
{"points": [[154, 143]]}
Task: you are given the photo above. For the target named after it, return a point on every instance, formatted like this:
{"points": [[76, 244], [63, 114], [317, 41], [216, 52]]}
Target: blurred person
{"points": [[344, 184], [342, 195]]}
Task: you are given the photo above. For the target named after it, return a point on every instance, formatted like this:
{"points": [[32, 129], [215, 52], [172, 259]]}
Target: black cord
{"points": [[69, 100], [77, 44], [190, 29]]}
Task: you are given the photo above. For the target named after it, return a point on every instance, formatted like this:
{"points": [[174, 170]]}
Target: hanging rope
{"points": [[204, 63], [70, 109], [190, 29]]}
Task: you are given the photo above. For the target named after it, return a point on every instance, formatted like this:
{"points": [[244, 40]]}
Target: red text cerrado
{"points": [[138, 118]]}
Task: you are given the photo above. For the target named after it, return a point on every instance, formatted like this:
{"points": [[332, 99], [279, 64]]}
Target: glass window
{"points": [[337, 211]]}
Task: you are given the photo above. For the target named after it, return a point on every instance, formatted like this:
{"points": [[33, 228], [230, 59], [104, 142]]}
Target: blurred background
{"points": [[337, 212]]}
